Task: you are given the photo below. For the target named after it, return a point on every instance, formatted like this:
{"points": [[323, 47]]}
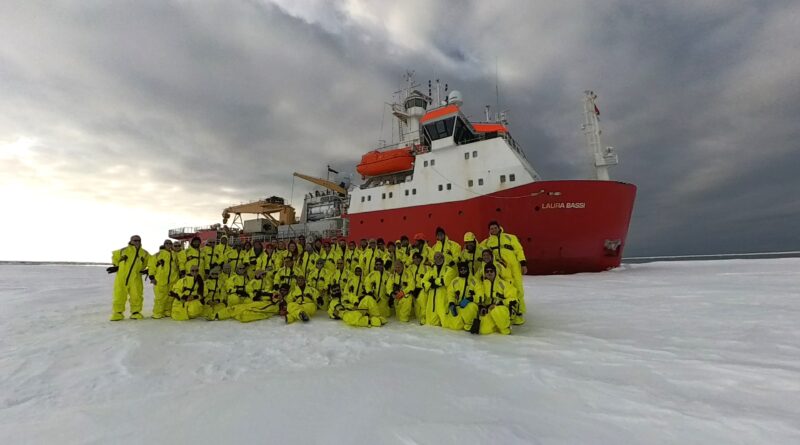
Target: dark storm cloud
{"points": [[216, 103]]}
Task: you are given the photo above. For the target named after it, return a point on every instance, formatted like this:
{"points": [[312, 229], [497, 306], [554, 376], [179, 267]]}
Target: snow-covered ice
{"points": [[704, 352]]}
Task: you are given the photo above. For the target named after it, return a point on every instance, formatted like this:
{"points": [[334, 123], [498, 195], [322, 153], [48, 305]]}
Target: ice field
{"points": [[702, 352]]}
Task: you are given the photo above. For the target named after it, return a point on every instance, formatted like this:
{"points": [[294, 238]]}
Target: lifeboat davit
{"points": [[376, 163]]}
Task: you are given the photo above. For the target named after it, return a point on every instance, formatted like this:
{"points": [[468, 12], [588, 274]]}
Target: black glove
{"points": [[112, 269]]}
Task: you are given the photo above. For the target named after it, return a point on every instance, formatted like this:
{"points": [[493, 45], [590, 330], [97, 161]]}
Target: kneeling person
{"points": [[463, 295], [188, 293], [301, 303]]}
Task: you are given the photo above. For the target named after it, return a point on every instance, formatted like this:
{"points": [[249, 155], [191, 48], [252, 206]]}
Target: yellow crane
{"points": [[263, 207], [330, 185]]}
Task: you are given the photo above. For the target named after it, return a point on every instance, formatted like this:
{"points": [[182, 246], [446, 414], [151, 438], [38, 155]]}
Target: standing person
{"points": [[499, 303], [472, 254], [193, 254], [216, 300], [404, 250], [506, 246], [439, 277], [129, 263], [419, 271], [164, 273], [221, 251], [236, 256], [449, 248], [463, 296], [400, 289], [376, 287], [351, 256], [208, 256]]}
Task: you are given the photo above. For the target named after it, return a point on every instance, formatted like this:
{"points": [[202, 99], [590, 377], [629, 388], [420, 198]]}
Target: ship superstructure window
{"points": [[469, 183], [362, 199], [406, 192], [390, 194], [502, 179], [413, 191], [383, 196], [426, 163], [369, 197], [440, 129], [440, 187], [480, 181], [512, 177], [449, 186], [433, 162], [462, 133], [466, 155]]}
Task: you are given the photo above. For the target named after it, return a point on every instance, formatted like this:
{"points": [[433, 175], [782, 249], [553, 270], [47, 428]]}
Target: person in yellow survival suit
{"points": [[499, 303], [129, 263], [449, 248], [472, 254], [356, 308], [464, 294], [216, 307], [301, 303], [319, 279], [419, 271], [194, 255], [400, 289], [188, 293], [435, 283], [164, 272], [261, 305], [506, 247], [376, 287]]}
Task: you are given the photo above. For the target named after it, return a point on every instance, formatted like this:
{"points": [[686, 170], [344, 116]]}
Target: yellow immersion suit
{"points": [[236, 288], [285, 275], [506, 247], [419, 294], [499, 297], [463, 296], [301, 300], [165, 272], [400, 288], [193, 258], [449, 248], [376, 287], [319, 279], [435, 284], [188, 296], [260, 306], [128, 282], [216, 307], [360, 310]]}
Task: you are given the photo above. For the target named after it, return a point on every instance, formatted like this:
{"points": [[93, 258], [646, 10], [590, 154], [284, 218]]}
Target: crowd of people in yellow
{"points": [[477, 287]]}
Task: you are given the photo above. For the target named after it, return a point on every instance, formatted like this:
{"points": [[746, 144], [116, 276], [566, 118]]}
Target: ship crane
{"points": [[330, 185], [266, 208], [603, 157]]}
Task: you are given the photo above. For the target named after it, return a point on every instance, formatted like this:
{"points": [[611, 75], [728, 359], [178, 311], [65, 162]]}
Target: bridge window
{"points": [[440, 129], [462, 133]]}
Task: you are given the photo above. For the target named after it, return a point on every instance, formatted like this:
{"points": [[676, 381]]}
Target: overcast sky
{"points": [[119, 118]]}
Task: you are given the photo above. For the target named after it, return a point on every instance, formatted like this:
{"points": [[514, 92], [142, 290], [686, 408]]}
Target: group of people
{"points": [[476, 287]]}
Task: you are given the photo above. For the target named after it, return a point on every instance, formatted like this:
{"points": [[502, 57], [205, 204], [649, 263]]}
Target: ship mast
{"points": [[603, 157]]}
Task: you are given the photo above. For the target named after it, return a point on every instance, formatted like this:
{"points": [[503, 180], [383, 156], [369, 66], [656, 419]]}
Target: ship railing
{"points": [[189, 230]]}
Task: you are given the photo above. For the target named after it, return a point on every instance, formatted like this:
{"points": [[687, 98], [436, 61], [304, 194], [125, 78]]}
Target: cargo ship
{"points": [[447, 171]]}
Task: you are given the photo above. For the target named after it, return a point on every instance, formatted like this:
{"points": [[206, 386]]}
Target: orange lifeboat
{"points": [[376, 163]]}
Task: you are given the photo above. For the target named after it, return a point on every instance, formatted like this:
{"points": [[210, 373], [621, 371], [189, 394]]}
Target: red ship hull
{"points": [[564, 226]]}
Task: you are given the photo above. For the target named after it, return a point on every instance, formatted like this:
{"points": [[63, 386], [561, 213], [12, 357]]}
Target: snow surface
{"points": [[704, 352]]}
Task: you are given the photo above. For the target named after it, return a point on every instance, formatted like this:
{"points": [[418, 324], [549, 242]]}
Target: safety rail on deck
{"points": [[188, 230]]}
